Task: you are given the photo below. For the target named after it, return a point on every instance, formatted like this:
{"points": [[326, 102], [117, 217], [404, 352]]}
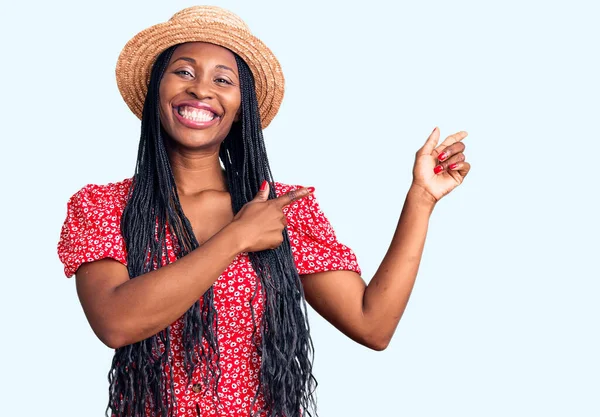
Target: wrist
{"points": [[234, 234], [421, 197]]}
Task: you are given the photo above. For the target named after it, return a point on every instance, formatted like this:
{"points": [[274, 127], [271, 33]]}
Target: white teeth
{"points": [[196, 115]]}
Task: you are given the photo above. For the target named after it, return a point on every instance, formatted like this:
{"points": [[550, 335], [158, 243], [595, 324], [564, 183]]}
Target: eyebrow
{"points": [[193, 61]]}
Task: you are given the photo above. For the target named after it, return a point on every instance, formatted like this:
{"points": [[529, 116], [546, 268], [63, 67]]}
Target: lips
{"points": [[196, 114]]}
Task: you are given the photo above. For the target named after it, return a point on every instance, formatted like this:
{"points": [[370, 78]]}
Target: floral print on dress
{"points": [[92, 232]]}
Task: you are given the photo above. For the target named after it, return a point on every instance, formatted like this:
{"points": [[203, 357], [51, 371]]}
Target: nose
{"points": [[200, 89]]}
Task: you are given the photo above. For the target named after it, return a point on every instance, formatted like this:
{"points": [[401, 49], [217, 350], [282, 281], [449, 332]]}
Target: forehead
{"points": [[203, 52]]}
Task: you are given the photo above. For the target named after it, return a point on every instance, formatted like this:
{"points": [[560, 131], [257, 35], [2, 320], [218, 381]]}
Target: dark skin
{"points": [[123, 311]]}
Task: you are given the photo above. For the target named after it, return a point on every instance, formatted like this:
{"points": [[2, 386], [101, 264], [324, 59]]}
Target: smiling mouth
{"points": [[196, 115]]}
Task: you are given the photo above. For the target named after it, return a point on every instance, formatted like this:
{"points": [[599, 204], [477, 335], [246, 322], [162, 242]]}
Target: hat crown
{"points": [[208, 15]]}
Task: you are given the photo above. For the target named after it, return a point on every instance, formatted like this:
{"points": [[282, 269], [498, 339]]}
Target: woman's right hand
{"points": [[260, 222]]}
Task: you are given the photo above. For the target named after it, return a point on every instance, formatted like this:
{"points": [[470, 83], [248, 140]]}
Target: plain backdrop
{"points": [[503, 320]]}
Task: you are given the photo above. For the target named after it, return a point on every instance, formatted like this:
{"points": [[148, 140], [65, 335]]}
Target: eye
{"points": [[183, 73], [221, 80]]}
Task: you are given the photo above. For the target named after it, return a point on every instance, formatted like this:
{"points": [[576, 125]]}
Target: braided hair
{"points": [[138, 378]]}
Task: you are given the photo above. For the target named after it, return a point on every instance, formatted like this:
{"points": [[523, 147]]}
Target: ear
{"points": [[238, 115]]}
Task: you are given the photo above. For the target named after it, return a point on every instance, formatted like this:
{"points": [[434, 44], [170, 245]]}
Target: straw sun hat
{"points": [[200, 24]]}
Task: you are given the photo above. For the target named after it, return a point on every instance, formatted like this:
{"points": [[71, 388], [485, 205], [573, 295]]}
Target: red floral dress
{"points": [[92, 231]]}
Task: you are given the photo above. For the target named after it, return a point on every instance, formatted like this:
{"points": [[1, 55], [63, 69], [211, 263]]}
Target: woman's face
{"points": [[199, 95]]}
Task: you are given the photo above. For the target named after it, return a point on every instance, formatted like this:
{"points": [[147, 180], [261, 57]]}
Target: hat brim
{"points": [[139, 54]]}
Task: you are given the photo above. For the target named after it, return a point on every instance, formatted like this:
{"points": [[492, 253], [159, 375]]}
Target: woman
{"points": [[214, 321]]}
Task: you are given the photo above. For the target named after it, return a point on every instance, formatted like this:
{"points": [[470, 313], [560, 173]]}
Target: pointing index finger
{"points": [[291, 196]]}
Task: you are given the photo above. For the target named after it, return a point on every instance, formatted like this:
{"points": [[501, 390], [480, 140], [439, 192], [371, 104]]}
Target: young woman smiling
{"points": [[196, 270]]}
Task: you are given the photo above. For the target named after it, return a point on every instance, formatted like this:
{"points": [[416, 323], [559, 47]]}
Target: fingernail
{"points": [[434, 129], [263, 186], [453, 166], [438, 169], [442, 156], [311, 189]]}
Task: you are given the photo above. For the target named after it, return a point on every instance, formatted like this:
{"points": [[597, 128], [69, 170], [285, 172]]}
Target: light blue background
{"points": [[503, 320]]}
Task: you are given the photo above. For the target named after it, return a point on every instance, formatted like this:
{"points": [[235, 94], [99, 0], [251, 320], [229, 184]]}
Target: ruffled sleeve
{"points": [[92, 229], [314, 244]]}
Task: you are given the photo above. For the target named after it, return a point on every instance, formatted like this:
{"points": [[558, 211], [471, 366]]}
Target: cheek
{"points": [[236, 106], [163, 105]]}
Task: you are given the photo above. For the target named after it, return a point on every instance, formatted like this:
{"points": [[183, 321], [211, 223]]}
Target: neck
{"points": [[197, 171]]}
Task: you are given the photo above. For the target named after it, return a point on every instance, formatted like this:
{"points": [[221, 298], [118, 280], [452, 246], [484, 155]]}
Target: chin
{"points": [[195, 141]]}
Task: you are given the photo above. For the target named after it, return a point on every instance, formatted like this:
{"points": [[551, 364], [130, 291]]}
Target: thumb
{"points": [[431, 143], [263, 193]]}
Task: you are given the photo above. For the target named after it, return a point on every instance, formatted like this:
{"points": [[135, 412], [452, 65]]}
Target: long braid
{"points": [[286, 379], [137, 377]]}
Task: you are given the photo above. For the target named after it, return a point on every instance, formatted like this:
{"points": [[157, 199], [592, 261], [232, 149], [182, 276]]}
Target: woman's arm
{"points": [[369, 314], [122, 311]]}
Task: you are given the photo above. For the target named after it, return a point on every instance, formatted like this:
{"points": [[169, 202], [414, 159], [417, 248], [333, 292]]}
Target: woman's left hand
{"points": [[439, 170]]}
